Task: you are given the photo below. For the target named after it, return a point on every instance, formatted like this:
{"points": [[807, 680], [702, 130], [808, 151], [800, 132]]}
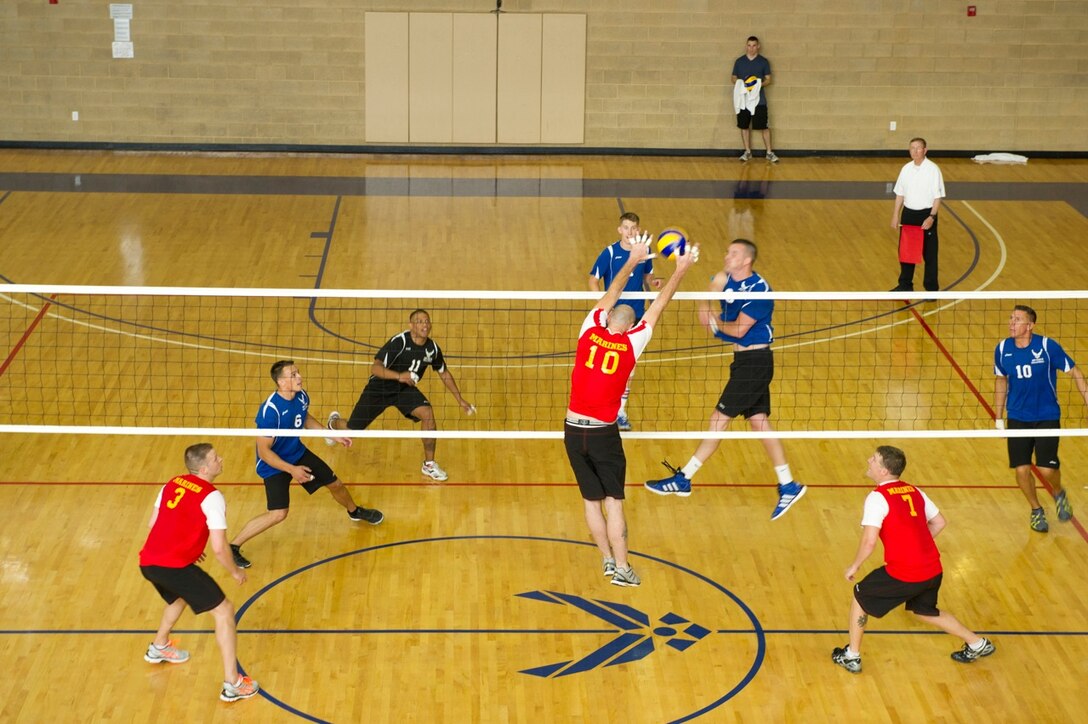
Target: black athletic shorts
{"points": [[748, 391], [756, 119], [376, 398], [190, 583], [277, 488], [879, 593], [596, 456], [1045, 448]]}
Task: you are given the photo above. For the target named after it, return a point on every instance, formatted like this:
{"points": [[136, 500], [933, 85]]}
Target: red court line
{"points": [[985, 405], [424, 484], [26, 335]]}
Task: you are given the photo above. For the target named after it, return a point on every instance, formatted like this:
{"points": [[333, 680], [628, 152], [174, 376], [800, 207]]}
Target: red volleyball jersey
{"points": [[909, 551], [180, 532], [602, 365]]}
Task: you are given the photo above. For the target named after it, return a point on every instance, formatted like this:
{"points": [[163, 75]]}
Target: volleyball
{"points": [[672, 241], [750, 82]]}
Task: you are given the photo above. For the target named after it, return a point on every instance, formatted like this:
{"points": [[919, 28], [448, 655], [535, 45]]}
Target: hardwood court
{"points": [[479, 599]]}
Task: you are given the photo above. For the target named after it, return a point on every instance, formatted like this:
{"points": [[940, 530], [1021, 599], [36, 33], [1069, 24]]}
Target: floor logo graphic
{"points": [[635, 640]]}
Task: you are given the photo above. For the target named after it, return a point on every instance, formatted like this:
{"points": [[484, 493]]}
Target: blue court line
{"points": [[597, 632]]}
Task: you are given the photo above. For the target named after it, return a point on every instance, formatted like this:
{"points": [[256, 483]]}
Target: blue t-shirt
{"points": [[279, 413], [1032, 373], [757, 66], [762, 332], [610, 262]]}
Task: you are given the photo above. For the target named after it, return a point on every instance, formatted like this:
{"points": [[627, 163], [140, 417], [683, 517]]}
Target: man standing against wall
{"points": [[754, 71]]}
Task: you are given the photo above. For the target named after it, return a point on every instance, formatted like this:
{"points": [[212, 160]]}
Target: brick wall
{"points": [[275, 72]]}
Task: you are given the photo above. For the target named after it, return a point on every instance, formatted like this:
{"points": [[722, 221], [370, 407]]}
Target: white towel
{"points": [[746, 99], [999, 158]]}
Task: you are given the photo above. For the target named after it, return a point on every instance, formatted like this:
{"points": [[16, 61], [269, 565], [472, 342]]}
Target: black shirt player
{"points": [[398, 367]]}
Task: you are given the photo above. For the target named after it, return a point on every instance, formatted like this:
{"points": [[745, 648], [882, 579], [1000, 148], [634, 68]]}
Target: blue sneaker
{"points": [[1038, 521], [788, 494], [675, 484], [623, 422], [1065, 510]]}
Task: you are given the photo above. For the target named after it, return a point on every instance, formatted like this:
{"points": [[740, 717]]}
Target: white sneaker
{"points": [[431, 470], [746, 156], [333, 416], [771, 158]]}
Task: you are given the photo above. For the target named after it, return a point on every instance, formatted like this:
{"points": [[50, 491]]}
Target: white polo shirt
{"points": [[919, 184]]}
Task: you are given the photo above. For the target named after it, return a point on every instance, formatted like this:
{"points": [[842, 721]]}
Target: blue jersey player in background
{"points": [[745, 324], [608, 265], [1027, 366]]}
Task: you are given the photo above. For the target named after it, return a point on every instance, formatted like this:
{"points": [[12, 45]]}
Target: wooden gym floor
{"points": [[480, 599]]}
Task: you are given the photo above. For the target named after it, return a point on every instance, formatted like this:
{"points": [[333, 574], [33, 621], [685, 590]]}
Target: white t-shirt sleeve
{"points": [[640, 336], [931, 508], [901, 182], [938, 182], [215, 510], [876, 510], [592, 320]]}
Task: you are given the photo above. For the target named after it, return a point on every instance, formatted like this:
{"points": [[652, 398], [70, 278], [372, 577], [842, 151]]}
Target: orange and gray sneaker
{"points": [[244, 688], [168, 654]]}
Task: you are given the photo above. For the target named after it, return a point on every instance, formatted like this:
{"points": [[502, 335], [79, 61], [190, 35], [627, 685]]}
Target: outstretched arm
{"points": [[639, 253], [683, 263]]}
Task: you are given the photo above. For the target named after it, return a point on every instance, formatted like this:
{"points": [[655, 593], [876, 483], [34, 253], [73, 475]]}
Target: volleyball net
{"points": [[151, 360]]}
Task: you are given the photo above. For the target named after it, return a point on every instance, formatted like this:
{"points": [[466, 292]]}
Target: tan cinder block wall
{"points": [[1014, 78]]}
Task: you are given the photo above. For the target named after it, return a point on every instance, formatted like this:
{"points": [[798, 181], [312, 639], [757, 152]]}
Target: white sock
{"points": [[850, 654], [978, 645], [784, 475], [691, 468]]}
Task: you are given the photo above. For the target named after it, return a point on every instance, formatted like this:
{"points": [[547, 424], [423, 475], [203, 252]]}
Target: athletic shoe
{"points": [[370, 515], [333, 417], [771, 158], [853, 665], [626, 577], [609, 567], [431, 470], [746, 156], [243, 689], [169, 654], [968, 655], [788, 494], [239, 560], [623, 422], [1038, 521], [1065, 510], [675, 484]]}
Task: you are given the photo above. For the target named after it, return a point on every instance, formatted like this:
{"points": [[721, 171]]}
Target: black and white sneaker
{"points": [[851, 664], [369, 515], [239, 560], [968, 655]]}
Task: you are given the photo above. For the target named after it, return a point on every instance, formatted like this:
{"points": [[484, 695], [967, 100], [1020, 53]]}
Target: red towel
{"points": [[910, 244]]}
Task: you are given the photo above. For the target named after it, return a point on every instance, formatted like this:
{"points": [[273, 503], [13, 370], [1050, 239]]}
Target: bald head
{"points": [[621, 318]]}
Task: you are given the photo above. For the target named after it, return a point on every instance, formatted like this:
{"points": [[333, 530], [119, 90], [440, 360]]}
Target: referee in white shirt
{"points": [[918, 193]]}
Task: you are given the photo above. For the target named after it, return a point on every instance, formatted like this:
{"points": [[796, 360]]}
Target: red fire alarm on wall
{"points": [[970, 11]]}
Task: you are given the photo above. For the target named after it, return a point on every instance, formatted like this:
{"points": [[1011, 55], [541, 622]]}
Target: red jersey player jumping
{"points": [[609, 344]]}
